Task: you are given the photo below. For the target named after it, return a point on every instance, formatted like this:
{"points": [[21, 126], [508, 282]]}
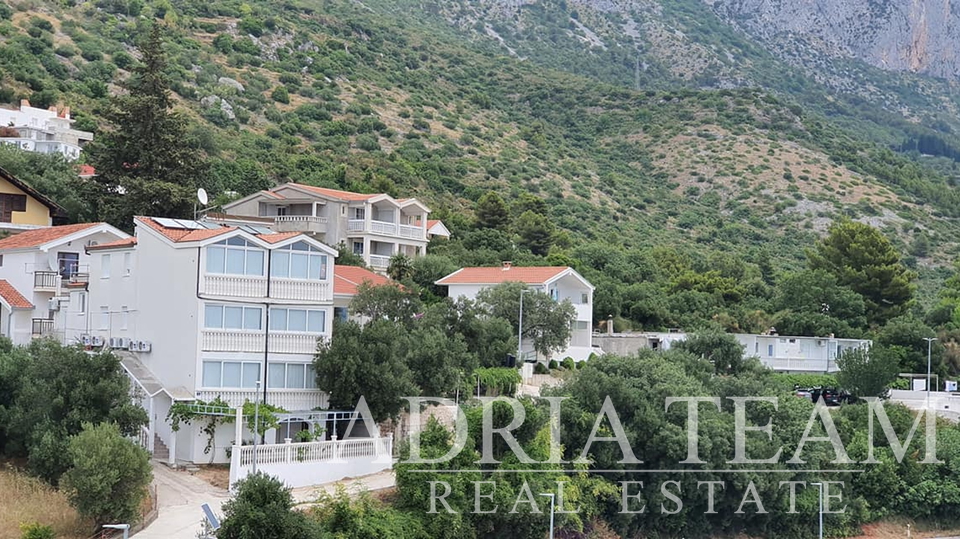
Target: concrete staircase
{"points": [[160, 450]]}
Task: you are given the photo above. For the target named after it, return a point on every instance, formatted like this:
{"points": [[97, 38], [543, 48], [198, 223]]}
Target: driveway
{"points": [[180, 495]]}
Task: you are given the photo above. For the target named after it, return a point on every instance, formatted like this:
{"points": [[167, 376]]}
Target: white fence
{"points": [[313, 463]]}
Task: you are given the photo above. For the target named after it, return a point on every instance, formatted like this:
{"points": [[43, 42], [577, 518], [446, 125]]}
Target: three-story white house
{"points": [[559, 282], [374, 226], [207, 312]]}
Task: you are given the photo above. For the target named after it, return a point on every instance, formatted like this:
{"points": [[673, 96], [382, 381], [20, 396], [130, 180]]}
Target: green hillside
{"points": [[351, 95]]}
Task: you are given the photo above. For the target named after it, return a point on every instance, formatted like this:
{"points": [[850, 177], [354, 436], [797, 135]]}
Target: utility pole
{"points": [[256, 424], [820, 488], [520, 329], [552, 497], [929, 347]]}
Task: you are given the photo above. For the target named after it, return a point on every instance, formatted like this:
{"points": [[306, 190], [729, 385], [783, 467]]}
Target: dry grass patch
{"points": [[24, 499]]}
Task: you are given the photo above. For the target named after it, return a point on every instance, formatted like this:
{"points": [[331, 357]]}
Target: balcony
{"points": [[243, 286], [384, 228], [46, 281], [41, 327], [301, 223], [288, 399], [379, 261], [252, 341], [299, 289]]}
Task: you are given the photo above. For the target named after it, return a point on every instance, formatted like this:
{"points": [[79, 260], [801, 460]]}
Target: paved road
{"points": [[180, 495]]}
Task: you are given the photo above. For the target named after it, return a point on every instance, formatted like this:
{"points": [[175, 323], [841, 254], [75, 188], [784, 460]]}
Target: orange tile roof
{"points": [[40, 236], [278, 237], [274, 195], [125, 242], [336, 193], [497, 274], [432, 223], [346, 279], [180, 235], [13, 297], [86, 170]]}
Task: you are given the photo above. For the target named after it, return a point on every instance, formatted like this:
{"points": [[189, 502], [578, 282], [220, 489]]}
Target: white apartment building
{"points": [[42, 130], [375, 226], [202, 311], [38, 270], [559, 282], [782, 353]]}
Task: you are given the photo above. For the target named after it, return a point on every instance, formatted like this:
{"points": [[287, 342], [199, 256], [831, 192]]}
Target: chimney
{"points": [[507, 265], [65, 113], [610, 325]]}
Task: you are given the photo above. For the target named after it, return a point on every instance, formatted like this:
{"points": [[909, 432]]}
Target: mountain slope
{"points": [[349, 95]]}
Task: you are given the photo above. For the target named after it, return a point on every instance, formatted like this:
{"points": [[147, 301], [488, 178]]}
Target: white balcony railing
{"points": [[379, 261], [356, 225], [299, 289], [231, 341], [412, 232], [46, 281], [301, 219], [252, 341], [288, 399], [383, 227], [235, 285], [293, 343]]}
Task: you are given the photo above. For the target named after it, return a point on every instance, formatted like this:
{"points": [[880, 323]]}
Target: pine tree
{"points": [[145, 163]]}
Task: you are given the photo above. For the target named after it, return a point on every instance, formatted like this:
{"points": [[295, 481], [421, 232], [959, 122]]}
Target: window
{"points": [[68, 264], [360, 213], [299, 261], [124, 315], [770, 350], [104, 317], [231, 374], [581, 325], [1, 261], [281, 210], [235, 256], [584, 298], [555, 294], [126, 264], [232, 317], [358, 247], [9, 204], [291, 376], [310, 321], [105, 266], [81, 302]]}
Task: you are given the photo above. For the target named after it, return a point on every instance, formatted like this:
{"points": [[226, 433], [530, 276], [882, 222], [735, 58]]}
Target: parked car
{"points": [[831, 396]]}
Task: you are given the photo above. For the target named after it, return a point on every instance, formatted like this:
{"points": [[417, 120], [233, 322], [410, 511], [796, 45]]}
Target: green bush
{"points": [[280, 94], [789, 380], [109, 477], [568, 363], [262, 507], [540, 368], [36, 531], [553, 365]]}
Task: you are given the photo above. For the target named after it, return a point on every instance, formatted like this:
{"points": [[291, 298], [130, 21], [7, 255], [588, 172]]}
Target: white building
{"points": [[39, 268], [208, 311], [559, 282], [42, 130], [375, 226], [781, 353]]}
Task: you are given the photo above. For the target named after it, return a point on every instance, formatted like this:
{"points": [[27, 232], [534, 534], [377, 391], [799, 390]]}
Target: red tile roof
{"points": [[274, 195], [40, 236], [346, 279], [336, 193], [278, 237], [86, 170], [432, 223], [125, 242], [179, 235], [497, 274], [13, 297]]}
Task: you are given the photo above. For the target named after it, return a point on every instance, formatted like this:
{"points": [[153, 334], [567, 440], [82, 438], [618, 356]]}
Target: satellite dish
{"points": [[202, 196]]}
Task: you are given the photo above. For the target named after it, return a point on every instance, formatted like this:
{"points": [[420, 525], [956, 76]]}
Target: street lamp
{"points": [[929, 346], [552, 497], [124, 527], [256, 424], [520, 328], [820, 488]]}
